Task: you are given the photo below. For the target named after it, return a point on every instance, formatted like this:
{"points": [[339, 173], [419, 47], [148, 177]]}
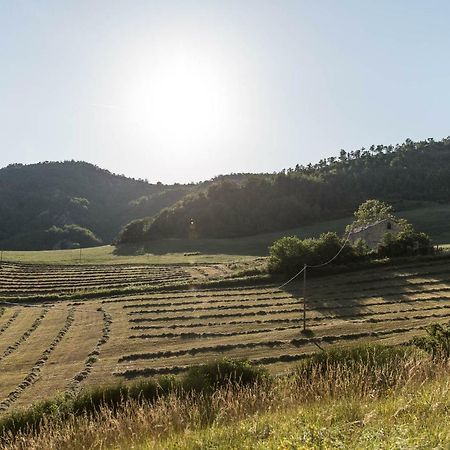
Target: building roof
{"points": [[373, 224]]}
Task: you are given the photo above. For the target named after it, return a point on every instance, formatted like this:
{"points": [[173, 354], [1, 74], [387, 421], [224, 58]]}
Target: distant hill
{"points": [[407, 175], [57, 204]]}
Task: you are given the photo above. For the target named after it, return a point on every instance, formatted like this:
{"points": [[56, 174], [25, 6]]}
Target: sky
{"points": [[181, 91]]}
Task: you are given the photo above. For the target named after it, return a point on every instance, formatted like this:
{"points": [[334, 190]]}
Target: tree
{"points": [[289, 254], [406, 243], [372, 211]]}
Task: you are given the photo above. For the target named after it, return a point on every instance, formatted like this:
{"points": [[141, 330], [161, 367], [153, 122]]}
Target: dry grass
{"points": [[172, 420]]}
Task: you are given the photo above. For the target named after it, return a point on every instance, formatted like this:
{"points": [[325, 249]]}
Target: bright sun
{"points": [[184, 99]]}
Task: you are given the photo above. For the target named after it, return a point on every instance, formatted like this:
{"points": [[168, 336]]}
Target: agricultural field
{"points": [[61, 347], [29, 280]]}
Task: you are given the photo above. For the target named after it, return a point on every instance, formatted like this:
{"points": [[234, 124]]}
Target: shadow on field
{"points": [[410, 291], [237, 246], [256, 245]]}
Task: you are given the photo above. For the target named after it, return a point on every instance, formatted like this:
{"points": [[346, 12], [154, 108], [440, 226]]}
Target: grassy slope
{"points": [[106, 255], [358, 398], [432, 219], [411, 419]]}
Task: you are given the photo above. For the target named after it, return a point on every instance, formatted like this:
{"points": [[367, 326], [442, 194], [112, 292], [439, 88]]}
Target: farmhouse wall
{"points": [[373, 234]]}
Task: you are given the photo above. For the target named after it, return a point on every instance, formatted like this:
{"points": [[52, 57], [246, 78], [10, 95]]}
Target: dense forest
{"points": [[332, 188], [54, 204]]}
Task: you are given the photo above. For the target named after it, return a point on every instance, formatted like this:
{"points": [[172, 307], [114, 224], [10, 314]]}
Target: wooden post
{"points": [[80, 254], [304, 297]]}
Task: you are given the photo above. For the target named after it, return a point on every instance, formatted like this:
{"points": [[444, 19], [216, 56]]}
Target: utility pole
{"points": [[304, 297], [80, 254]]}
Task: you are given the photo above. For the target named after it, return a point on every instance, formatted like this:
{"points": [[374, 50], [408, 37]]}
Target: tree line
{"points": [[332, 188]]}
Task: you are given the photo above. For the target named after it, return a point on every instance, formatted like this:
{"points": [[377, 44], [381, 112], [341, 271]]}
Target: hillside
{"points": [[406, 175], [39, 203]]}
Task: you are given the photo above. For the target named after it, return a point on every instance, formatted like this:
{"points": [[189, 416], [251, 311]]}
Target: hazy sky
{"points": [[185, 90]]}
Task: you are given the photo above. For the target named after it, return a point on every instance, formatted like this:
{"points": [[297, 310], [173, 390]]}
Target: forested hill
{"points": [[332, 188], [42, 205]]}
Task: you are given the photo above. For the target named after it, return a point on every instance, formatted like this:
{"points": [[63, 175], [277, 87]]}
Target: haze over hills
{"points": [[409, 176], [39, 203], [56, 204]]}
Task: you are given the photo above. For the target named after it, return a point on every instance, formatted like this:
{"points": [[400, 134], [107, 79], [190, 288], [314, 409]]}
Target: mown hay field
{"points": [[50, 348]]}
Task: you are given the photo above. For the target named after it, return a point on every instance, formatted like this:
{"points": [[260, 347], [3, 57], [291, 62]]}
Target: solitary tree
{"points": [[372, 211]]}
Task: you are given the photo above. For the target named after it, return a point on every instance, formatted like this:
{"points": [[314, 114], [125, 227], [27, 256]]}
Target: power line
{"points": [[293, 278], [305, 266], [314, 266]]}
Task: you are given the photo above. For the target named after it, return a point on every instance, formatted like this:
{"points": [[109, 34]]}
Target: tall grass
{"points": [[153, 412]]}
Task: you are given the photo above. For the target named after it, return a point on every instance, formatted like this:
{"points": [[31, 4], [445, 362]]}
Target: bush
{"points": [[437, 341], [224, 372], [289, 254], [133, 232], [405, 243]]}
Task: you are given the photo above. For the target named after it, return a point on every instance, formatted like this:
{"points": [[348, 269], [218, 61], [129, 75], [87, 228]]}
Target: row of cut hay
{"points": [[312, 315], [398, 298], [36, 289], [78, 292], [279, 352], [87, 269], [312, 322], [168, 301], [276, 309], [34, 326], [75, 384], [357, 279], [172, 318], [56, 272], [10, 321], [273, 343], [201, 293], [375, 286], [207, 307], [63, 281], [409, 289], [315, 304], [15, 282], [34, 374]]}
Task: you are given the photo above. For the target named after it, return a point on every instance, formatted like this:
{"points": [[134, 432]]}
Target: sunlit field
{"points": [[50, 348]]}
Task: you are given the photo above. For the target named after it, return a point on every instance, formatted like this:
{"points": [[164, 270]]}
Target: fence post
{"points": [[304, 297]]}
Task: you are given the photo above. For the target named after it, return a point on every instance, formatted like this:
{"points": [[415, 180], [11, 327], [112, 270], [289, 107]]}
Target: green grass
{"points": [[368, 397], [107, 255], [432, 219], [409, 420]]}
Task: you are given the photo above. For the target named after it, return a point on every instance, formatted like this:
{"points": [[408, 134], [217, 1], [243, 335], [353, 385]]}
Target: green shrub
{"points": [[437, 341], [406, 243], [224, 372], [289, 254]]}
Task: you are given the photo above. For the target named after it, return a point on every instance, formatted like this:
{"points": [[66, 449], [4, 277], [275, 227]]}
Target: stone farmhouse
{"points": [[374, 232]]}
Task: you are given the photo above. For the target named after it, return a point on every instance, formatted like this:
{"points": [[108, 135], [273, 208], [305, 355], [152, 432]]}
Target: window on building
{"points": [[389, 226]]}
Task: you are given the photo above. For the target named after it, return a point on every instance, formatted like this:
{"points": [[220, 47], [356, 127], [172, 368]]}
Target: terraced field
{"points": [[21, 280], [61, 347]]}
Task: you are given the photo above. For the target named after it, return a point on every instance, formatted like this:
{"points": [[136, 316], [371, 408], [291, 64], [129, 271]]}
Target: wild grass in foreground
{"points": [[364, 397]]}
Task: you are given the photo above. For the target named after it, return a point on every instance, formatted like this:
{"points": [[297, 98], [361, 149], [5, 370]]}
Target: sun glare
{"points": [[185, 99]]}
